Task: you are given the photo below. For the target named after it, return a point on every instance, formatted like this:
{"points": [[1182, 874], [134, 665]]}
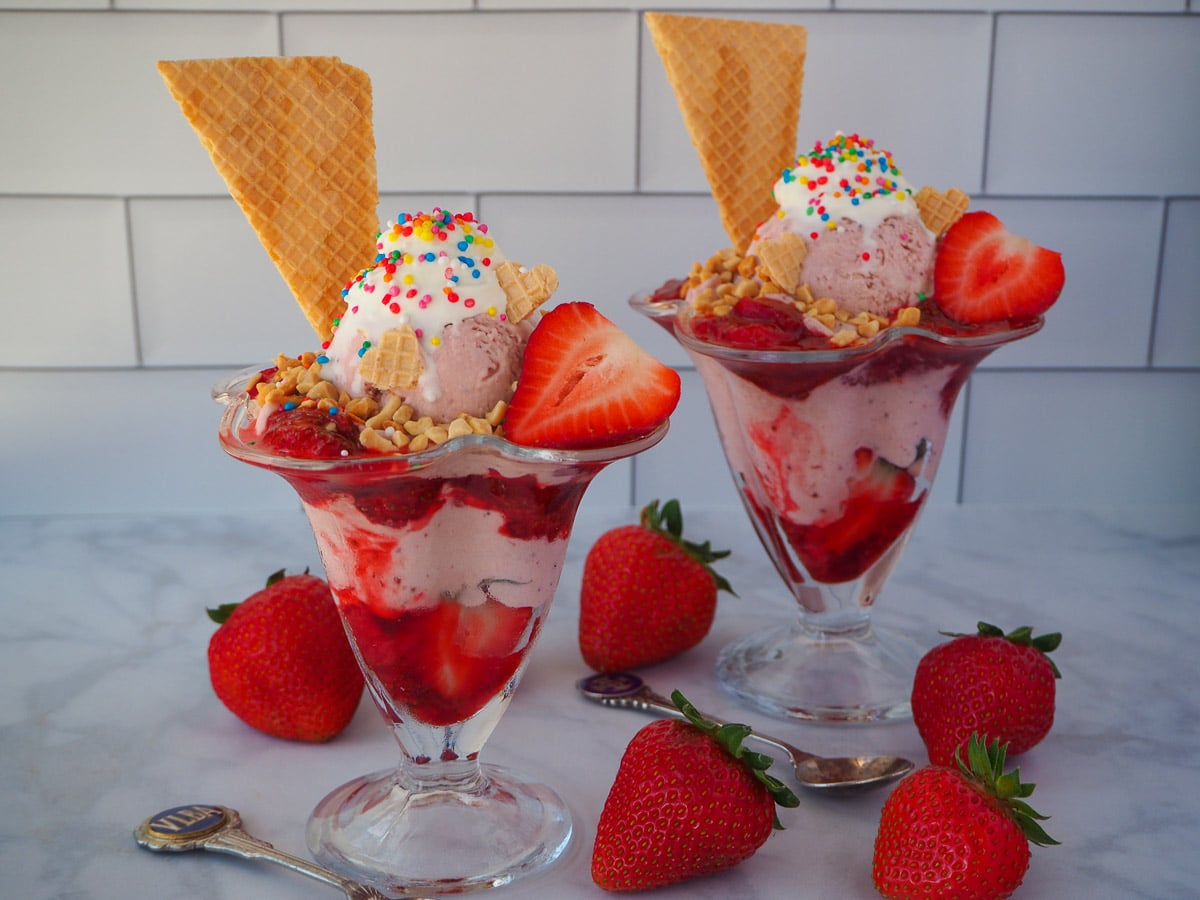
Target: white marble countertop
{"points": [[106, 714]]}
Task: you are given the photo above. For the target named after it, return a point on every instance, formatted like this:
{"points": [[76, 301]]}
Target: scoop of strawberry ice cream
{"points": [[477, 363], [867, 247], [434, 279], [877, 270]]}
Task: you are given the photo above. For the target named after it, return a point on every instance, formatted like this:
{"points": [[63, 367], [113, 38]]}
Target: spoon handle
{"points": [[219, 828], [641, 696], [237, 842]]}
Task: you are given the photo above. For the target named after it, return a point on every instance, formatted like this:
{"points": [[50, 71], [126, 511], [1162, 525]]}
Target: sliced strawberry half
{"points": [[884, 500], [984, 273], [584, 383], [444, 663]]}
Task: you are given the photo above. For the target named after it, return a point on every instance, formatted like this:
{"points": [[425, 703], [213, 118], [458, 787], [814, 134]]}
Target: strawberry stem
{"points": [[730, 737], [985, 767], [1022, 637], [220, 614], [668, 521]]}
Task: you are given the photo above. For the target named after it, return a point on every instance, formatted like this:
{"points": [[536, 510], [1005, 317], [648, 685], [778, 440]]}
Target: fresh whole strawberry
{"points": [[1000, 685], [959, 831], [584, 384], [281, 662], [688, 800], [647, 594], [984, 273]]}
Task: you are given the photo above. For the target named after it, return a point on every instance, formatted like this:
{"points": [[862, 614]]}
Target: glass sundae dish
{"points": [[833, 453], [443, 564], [832, 348], [440, 441], [833, 337], [443, 533]]}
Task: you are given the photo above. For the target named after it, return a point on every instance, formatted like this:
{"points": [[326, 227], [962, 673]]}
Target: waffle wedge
{"points": [[739, 87], [293, 139]]}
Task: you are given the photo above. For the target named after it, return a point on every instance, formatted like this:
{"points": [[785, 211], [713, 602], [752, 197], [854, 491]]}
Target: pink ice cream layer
{"points": [[799, 454], [459, 552]]}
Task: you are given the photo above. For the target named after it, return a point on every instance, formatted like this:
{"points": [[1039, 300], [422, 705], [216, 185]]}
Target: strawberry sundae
{"points": [[834, 348], [833, 337], [440, 437], [443, 547], [443, 539]]}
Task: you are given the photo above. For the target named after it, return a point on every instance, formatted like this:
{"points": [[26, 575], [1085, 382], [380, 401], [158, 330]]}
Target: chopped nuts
{"points": [[389, 424], [375, 440], [496, 414], [362, 408], [459, 428], [323, 390], [714, 285], [418, 426]]}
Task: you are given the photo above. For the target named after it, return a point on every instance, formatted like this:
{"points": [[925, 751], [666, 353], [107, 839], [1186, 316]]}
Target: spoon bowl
{"points": [[833, 775]]}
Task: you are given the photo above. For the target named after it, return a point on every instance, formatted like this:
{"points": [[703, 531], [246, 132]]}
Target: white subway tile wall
{"points": [[129, 281]]}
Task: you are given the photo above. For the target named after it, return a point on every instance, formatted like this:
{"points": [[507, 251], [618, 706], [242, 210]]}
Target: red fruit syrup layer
{"points": [[440, 663], [444, 663], [884, 496], [883, 503]]}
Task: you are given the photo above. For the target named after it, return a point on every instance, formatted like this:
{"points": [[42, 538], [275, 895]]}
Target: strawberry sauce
{"points": [[443, 582], [833, 450]]}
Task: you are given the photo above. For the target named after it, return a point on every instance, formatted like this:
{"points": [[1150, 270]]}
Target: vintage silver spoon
{"points": [[821, 773], [202, 826]]}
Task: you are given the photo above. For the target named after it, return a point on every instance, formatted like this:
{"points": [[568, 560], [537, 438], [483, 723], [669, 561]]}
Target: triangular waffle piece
{"points": [[783, 257], [940, 211], [293, 139], [739, 87], [395, 362], [526, 289]]}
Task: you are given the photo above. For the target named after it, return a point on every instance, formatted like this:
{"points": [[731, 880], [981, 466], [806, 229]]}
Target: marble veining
{"points": [[106, 714]]}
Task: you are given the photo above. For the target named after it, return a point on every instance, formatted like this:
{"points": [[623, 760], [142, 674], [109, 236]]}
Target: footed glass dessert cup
{"points": [[833, 453], [443, 564]]}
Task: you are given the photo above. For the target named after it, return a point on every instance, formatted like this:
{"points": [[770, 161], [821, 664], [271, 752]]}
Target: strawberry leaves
{"points": [[220, 614], [985, 765], [730, 736], [688, 800], [1022, 637], [668, 522]]}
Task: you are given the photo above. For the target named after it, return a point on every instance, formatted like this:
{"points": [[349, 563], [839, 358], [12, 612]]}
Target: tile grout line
{"points": [[639, 75], [989, 89], [131, 269], [960, 488], [1159, 266]]}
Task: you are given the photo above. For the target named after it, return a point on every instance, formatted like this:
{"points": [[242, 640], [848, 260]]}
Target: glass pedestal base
{"points": [[799, 672], [402, 841]]}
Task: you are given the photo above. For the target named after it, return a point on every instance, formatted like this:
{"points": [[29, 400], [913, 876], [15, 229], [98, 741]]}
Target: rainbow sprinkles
{"points": [[427, 288], [847, 171]]}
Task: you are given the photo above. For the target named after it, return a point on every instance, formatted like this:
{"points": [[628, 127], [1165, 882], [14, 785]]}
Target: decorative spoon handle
{"points": [[218, 828], [628, 691]]}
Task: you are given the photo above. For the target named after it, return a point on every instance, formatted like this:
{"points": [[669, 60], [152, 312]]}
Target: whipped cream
{"points": [[432, 270], [846, 178]]}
